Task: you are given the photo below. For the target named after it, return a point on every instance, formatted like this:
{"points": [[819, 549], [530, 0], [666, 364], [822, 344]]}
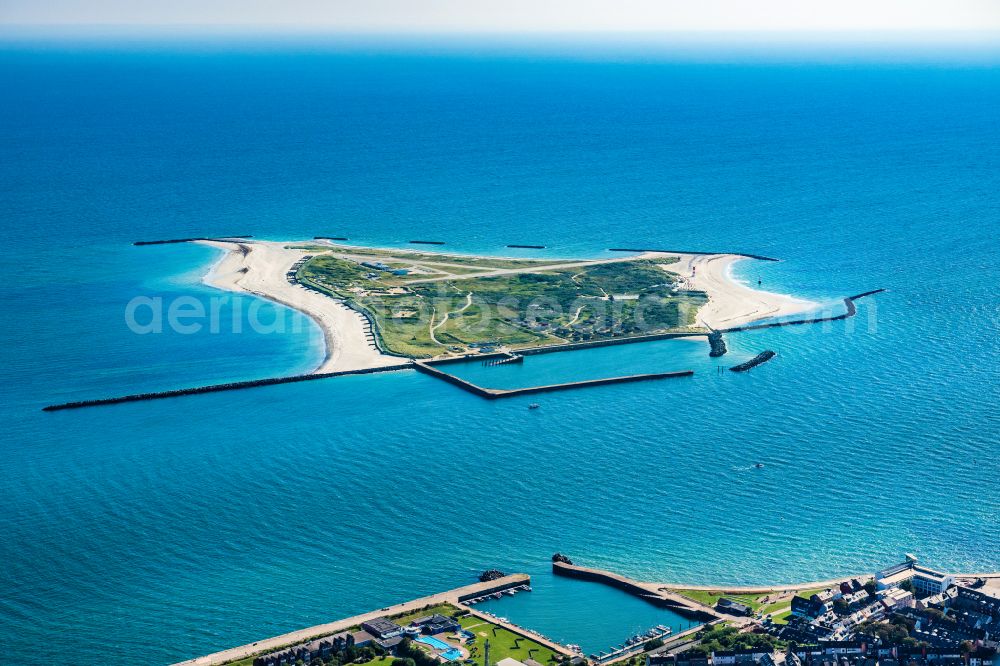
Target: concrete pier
{"points": [[427, 367], [645, 591]]}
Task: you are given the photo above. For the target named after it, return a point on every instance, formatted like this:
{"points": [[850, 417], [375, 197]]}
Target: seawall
{"points": [[215, 388], [494, 394]]}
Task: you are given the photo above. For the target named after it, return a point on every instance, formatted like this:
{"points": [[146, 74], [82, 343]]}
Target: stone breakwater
{"points": [[735, 254], [187, 240], [214, 388], [848, 303], [762, 357]]}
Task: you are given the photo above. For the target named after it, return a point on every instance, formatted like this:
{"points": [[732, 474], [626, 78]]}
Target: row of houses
{"points": [[379, 632], [834, 615], [831, 653]]}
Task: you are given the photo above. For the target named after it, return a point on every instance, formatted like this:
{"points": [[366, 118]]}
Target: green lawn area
{"points": [[782, 618], [776, 606], [710, 597], [404, 619], [502, 643], [581, 303]]}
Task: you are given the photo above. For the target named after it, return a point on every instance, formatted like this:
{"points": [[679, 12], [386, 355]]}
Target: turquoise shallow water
{"points": [[158, 531]]}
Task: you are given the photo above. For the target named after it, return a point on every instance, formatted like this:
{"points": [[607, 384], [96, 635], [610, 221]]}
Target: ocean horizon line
{"points": [[763, 46]]}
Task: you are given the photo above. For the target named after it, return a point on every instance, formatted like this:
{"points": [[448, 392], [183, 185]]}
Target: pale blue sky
{"points": [[521, 15]]}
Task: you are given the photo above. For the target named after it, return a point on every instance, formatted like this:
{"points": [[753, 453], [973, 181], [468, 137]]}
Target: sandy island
{"points": [[261, 267]]}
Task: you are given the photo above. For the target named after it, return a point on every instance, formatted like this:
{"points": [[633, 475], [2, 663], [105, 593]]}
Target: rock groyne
{"points": [[718, 344], [737, 254], [851, 310], [760, 358], [215, 388], [189, 240]]}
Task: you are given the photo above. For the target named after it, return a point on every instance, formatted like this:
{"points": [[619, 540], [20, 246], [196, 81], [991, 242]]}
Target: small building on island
{"points": [[382, 627]]}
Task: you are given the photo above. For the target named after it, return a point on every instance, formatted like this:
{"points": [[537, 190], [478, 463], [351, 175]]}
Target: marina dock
{"points": [[454, 596]]}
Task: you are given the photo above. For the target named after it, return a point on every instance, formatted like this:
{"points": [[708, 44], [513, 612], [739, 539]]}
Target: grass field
{"points": [[710, 597], [452, 304], [504, 643]]}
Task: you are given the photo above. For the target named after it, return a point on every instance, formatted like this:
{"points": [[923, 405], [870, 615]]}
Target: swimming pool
{"points": [[449, 653]]}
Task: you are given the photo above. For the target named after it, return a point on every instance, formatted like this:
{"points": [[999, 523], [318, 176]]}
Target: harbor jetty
{"points": [[427, 367], [762, 357], [649, 592], [455, 596]]}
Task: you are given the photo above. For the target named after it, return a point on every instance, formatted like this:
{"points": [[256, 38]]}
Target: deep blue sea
{"points": [[156, 531]]}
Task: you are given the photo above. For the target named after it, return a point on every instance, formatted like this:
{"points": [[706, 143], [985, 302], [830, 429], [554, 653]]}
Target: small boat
{"points": [[759, 465], [534, 405]]}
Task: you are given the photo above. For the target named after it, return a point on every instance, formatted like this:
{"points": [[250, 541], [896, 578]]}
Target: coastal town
{"points": [[907, 614]]}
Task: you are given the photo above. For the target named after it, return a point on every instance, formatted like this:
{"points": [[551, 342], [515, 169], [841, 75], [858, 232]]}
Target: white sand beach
{"points": [[731, 303], [260, 268]]}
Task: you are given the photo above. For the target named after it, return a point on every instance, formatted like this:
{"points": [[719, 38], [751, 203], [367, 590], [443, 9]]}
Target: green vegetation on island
{"points": [[427, 305]]}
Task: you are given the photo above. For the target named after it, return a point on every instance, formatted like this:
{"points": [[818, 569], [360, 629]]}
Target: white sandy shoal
{"points": [[731, 303], [262, 271]]}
